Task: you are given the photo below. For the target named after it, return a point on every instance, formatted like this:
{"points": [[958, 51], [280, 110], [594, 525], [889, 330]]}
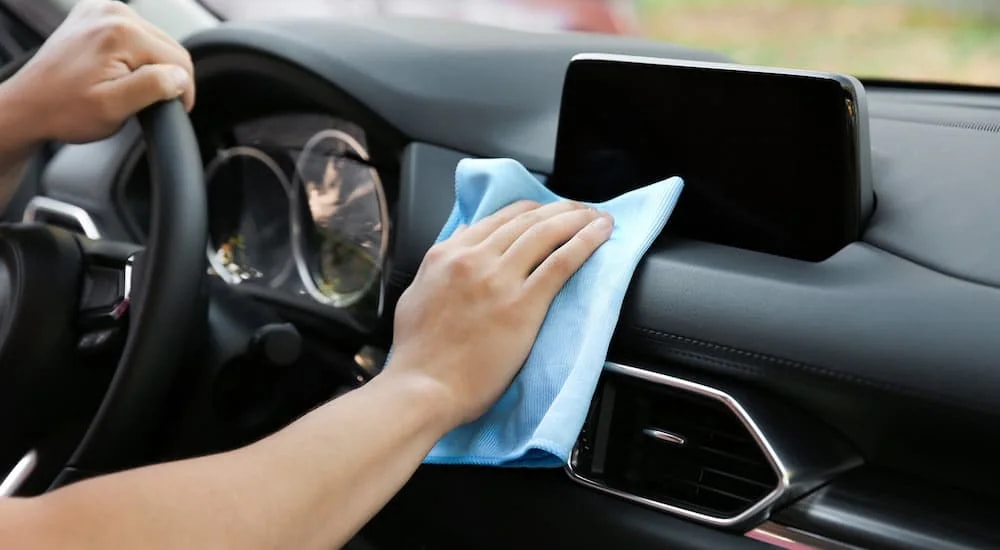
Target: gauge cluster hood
{"points": [[484, 90]]}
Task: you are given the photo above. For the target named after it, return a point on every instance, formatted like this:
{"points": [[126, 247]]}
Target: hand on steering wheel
{"points": [[100, 67]]}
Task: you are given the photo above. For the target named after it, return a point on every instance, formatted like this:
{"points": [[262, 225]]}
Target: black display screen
{"points": [[773, 162]]}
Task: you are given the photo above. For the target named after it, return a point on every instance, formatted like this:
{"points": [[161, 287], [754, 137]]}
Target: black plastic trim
{"points": [[879, 509], [503, 508]]}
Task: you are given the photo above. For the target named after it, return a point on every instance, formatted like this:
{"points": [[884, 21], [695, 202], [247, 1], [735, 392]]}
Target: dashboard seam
{"points": [[940, 271], [973, 126], [657, 336]]}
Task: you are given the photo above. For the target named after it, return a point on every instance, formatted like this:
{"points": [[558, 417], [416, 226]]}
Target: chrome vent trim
{"points": [[758, 509], [45, 206]]}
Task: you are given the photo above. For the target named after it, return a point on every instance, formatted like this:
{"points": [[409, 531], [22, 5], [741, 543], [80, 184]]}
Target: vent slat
{"points": [[721, 470], [737, 499], [747, 480], [753, 461], [682, 427]]}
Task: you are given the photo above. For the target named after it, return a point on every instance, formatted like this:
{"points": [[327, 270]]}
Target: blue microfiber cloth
{"points": [[537, 420]]}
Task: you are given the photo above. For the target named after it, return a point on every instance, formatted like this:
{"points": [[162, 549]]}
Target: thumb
{"points": [[147, 85]]}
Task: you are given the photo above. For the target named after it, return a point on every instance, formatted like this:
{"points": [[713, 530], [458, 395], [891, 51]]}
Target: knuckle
{"points": [[536, 231], [165, 84], [435, 254], [187, 61], [592, 235], [115, 8], [513, 210], [113, 31], [560, 266], [493, 285], [530, 219], [462, 265]]}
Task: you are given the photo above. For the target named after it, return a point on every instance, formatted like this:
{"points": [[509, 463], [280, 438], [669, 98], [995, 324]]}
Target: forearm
{"points": [[310, 486], [18, 140]]}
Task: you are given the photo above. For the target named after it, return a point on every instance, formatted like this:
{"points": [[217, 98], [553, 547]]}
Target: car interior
{"points": [[750, 399]]}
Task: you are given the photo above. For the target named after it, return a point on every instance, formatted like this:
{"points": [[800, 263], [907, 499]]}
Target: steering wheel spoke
{"points": [[67, 301], [106, 295]]}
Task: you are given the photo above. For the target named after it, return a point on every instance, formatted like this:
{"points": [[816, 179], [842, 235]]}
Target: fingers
{"points": [[541, 235], [145, 86], [166, 50], [482, 229], [505, 235], [548, 279], [138, 43], [155, 48]]}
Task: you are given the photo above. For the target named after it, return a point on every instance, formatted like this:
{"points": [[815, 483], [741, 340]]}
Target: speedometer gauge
{"points": [[248, 226], [340, 242]]}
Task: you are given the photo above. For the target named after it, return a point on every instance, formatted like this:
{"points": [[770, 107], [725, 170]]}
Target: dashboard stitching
{"points": [[657, 336], [987, 127]]}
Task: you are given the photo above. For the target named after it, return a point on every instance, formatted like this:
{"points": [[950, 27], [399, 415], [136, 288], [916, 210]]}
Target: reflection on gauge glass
{"points": [[341, 238], [248, 218]]}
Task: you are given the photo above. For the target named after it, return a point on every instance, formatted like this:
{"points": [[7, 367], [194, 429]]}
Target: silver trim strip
{"points": [[44, 205], [17, 476], [127, 274], [664, 435], [780, 536], [126, 300], [784, 478]]}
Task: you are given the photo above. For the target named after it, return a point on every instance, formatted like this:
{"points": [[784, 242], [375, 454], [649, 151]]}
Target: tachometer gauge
{"points": [[249, 218], [341, 240]]}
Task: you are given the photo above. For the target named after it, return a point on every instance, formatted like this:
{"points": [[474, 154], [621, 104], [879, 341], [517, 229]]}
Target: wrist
{"points": [[425, 396], [21, 123]]}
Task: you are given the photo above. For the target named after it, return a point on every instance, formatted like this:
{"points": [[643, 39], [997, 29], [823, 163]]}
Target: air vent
{"points": [[678, 446], [681, 448]]}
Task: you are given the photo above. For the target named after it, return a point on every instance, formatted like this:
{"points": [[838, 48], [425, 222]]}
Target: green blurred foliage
{"points": [[943, 40]]}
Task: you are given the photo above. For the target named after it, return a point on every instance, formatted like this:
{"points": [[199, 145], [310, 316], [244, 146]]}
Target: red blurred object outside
{"points": [[599, 16]]}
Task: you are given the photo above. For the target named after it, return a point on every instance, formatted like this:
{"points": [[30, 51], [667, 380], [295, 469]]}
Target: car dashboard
{"points": [[862, 387]]}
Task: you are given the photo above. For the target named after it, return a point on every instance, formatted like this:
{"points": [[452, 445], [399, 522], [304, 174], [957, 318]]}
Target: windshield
{"points": [[920, 40]]}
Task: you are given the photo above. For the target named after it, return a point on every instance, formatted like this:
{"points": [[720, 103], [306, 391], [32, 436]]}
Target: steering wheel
{"points": [[69, 304]]}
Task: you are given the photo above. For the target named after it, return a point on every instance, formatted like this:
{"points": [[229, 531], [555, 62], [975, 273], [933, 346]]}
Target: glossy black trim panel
{"points": [[791, 538], [444, 507], [876, 509]]}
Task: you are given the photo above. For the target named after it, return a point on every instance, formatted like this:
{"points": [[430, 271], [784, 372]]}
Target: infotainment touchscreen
{"points": [[773, 160]]}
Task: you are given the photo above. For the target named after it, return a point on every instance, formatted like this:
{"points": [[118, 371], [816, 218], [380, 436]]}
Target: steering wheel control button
{"points": [[103, 288], [98, 340], [106, 295]]}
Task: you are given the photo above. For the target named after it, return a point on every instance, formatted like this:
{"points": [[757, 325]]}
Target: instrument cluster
{"points": [[297, 208]]}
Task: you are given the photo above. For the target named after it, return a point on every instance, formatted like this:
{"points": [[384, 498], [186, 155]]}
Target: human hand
{"points": [[470, 318], [101, 66]]}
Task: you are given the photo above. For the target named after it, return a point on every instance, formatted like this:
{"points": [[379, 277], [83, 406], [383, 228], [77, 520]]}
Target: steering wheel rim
{"points": [[168, 299]]}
